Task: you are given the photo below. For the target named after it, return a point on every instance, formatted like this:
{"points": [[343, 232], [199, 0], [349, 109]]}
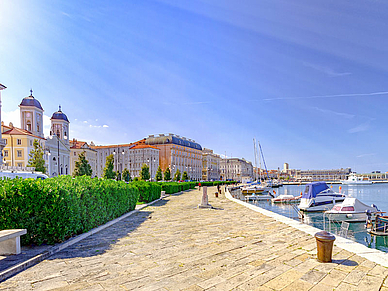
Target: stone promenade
{"points": [[173, 245]]}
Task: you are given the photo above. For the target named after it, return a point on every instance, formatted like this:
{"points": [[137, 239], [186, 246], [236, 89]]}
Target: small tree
{"points": [[108, 170], [118, 176], [159, 176], [136, 179], [36, 158], [145, 172], [185, 176], [126, 175], [177, 175], [167, 175], [82, 166]]}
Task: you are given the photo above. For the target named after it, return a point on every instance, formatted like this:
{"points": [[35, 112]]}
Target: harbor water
{"points": [[369, 194]]}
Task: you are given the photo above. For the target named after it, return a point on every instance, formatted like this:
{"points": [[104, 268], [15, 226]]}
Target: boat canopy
{"points": [[312, 189]]}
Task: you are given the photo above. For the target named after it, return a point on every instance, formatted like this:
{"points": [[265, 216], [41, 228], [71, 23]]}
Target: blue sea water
{"points": [[368, 194]]}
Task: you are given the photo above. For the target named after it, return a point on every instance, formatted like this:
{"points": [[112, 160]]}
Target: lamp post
{"points": [[52, 134]]}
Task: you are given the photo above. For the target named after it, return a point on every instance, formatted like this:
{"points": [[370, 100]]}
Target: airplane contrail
{"points": [[329, 96]]}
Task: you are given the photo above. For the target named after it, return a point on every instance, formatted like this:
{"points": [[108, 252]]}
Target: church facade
{"points": [[19, 141]]}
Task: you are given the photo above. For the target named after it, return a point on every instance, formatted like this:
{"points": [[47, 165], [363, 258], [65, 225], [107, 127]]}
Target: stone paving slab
{"points": [[173, 245]]}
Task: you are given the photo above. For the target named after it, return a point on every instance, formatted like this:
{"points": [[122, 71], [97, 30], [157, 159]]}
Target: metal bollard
{"points": [[325, 241]]}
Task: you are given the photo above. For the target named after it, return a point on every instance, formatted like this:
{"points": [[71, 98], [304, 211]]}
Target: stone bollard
{"points": [[205, 199], [162, 194], [325, 241]]}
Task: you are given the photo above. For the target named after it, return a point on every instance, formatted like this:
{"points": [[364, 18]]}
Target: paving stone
{"points": [[175, 246]]}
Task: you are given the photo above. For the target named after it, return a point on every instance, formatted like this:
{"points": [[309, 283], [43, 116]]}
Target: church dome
{"points": [[31, 101], [59, 115]]}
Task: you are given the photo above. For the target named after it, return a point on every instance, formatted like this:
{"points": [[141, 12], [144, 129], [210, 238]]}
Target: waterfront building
{"points": [[322, 175], [58, 145], [18, 144], [210, 165], [2, 141], [131, 156], [235, 169], [178, 153], [76, 148], [19, 141]]}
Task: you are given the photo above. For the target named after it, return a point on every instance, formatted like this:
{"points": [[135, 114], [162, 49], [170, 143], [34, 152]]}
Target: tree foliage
{"points": [[159, 176], [126, 175], [167, 174], [118, 176], [82, 166], [185, 176], [145, 172], [177, 175], [36, 158], [108, 170]]}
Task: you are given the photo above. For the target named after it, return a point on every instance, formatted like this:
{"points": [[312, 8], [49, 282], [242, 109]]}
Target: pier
{"points": [[173, 245]]}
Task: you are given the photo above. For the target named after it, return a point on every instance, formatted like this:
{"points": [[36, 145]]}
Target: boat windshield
{"points": [[347, 208]]}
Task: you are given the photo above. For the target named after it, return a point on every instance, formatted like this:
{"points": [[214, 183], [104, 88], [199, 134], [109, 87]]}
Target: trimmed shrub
{"points": [[148, 191], [55, 209]]}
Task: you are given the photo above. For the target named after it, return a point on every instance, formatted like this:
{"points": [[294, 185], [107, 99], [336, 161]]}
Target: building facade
{"points": [[78, 147], [19, 141], [18, 144], [58, 145], [178, 153], [321, 175], [235, 168], [131, 156], [210, 165], [2, 141]]}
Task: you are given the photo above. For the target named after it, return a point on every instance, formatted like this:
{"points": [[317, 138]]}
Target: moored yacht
{"points": [[352, 210], [318, 196], [353, 179]]}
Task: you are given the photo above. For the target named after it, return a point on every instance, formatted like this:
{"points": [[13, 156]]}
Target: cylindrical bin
{"points": [[325, 241]]}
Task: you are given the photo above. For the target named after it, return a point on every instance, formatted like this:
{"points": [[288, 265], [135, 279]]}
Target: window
{"points": [[6, 141], [30, 142], [19, 153], [20, 164], [5, 153], [19, 141], [75, 153]]}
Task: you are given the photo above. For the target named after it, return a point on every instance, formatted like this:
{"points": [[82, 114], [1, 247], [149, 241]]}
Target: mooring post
{"points": [[205, 199]]}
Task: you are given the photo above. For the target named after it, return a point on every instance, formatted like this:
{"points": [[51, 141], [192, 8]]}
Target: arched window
{"points": [[58, 134], [37, 127], [29, 127]]}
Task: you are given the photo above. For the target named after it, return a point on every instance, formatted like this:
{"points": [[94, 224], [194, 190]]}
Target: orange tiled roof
{"points": [[19, 131], [135, 145]]}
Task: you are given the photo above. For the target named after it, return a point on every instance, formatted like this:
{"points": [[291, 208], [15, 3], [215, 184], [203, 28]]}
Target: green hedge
{"points": [[149, 191], [55, 209], [175, 187]]}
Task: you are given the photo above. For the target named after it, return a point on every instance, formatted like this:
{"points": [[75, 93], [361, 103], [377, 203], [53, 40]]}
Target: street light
{"points": [[52, 134]]}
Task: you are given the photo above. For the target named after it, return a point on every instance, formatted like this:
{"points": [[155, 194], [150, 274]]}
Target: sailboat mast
{"points": [[259, 162], [255, 154]]}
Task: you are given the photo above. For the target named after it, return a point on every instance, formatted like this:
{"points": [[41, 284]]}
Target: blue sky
{"points": [[308, 79]]}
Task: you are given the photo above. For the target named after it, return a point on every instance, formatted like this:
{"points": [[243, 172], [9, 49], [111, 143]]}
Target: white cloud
{"points": [[366, 155], [326, 70], [105, 125], [342, 114], [359, 128], [11, 116]]}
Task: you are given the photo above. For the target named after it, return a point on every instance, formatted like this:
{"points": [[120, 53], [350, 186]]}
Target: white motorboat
{"points": [[318, 196], [254, 188], [286, 198], [259, 197], [352, 210], [353, 179]]}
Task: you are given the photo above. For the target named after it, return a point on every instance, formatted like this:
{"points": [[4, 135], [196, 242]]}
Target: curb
{"points": [[55, 249], [361, 250]]}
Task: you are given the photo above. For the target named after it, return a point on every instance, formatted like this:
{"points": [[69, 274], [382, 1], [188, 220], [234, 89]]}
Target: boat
{"points": [[286, 198], [353, 179], [254, 188], [379, 226], [259, 197], [317, 196], [352, 210]]}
